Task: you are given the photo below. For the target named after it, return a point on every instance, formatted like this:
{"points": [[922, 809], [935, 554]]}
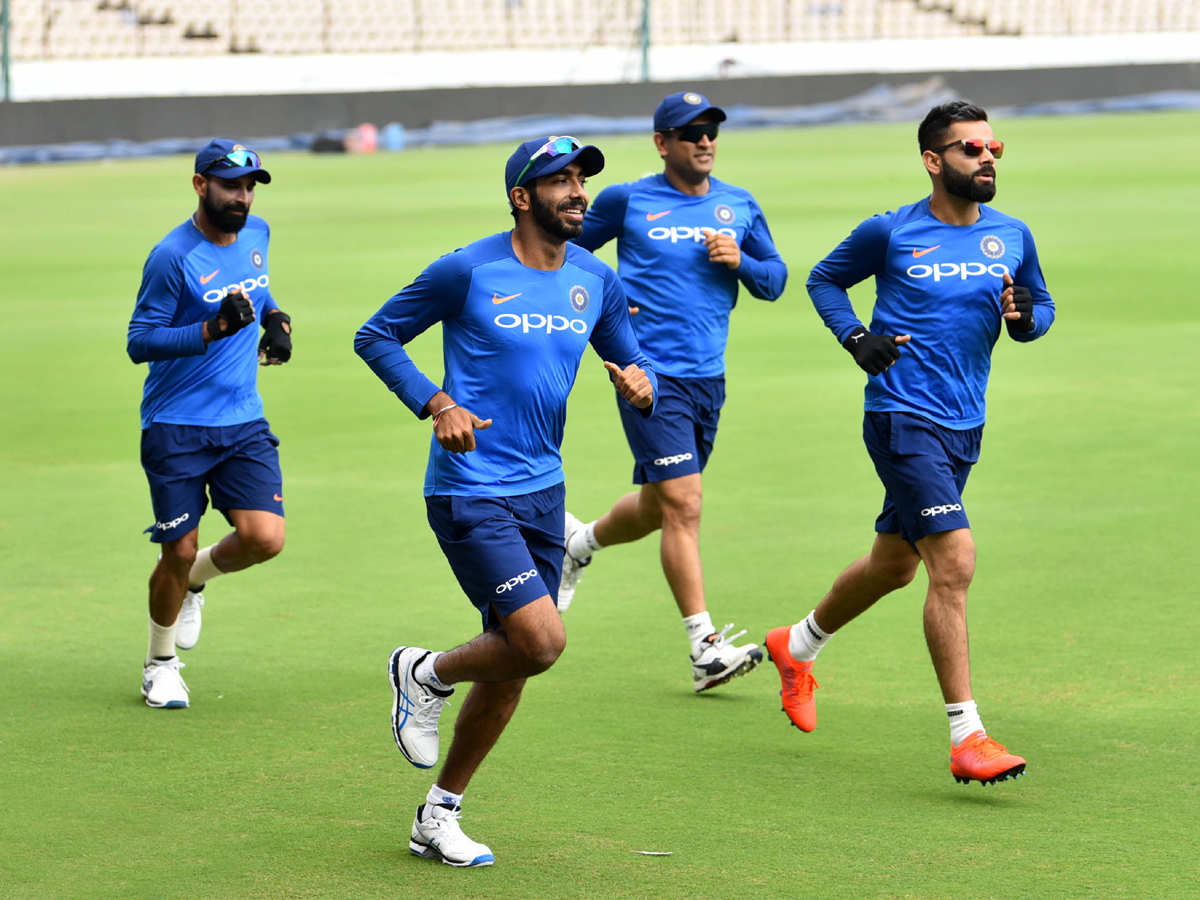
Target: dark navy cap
{"points": [[209, 161], [679, 109], [590, 159]]}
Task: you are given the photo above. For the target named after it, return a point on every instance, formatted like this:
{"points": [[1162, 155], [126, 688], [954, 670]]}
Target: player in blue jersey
{"points": [[203, 286], [949, 271], [517, 311], [685, 243]]}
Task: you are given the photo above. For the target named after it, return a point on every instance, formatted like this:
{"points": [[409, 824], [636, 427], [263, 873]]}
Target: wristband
{"points": [[437, 415]]}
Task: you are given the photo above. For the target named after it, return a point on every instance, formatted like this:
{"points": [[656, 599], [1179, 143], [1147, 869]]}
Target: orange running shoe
{"points": [[796, 679], [981, 758]]}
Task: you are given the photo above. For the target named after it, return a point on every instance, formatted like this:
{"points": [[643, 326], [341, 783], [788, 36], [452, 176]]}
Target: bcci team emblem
{"points": [[725, 215], [992, 246], [256, 259], [579, 298], [693, 99]]}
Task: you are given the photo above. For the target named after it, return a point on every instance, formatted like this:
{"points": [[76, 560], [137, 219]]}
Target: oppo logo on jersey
{"points": [[961, 270], [538, 322], [684, 233], [218, 294]]}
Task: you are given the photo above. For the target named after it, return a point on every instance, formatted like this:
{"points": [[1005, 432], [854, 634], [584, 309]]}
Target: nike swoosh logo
{"points": [[650, 217], [278, 499], [917, 254], [205, 279], [496, 298]]}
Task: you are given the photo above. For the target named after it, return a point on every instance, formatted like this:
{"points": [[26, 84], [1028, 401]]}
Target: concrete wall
{"points": [[144, 119]]}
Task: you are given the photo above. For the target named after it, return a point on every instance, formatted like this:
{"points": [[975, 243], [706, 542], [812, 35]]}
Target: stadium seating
{"points": [[66, 29]]}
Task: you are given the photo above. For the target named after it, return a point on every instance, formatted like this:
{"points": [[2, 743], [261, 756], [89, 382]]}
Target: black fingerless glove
{"points": [[276, 341], [236, 310], [872, 352], [1023, 301]]}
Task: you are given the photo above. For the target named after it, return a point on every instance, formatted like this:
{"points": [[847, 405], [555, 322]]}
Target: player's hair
{"points": [[932, 131]]}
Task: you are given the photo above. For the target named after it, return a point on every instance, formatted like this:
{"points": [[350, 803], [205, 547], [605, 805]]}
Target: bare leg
{"points": [[673, 505], [950, 561], [891, 564], [169, 580], [257, 536], [528, 642]]}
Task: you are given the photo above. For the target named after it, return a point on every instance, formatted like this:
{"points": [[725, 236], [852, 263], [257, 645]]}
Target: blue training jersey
{"points": [[684, 300], [940, 284], [185, 278], [512, 341]]}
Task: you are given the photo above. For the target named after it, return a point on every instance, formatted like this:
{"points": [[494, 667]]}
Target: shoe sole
{"points": [[394, 678], [170, 704], [1014, 773], [426, 851], [745, 667]]}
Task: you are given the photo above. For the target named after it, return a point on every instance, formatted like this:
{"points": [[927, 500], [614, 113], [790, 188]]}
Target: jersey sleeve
{"points": [[605, 218], [762, 270], [1029, 275], [614, 340], [855, 259], [152, 335], [269, 302], [440, 292]]}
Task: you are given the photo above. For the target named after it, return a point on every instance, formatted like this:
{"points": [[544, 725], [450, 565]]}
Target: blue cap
{"points": [[213, 151], [679, 109], [590, 159]]}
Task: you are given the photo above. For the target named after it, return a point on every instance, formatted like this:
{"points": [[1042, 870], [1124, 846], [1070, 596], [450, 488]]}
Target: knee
{"points": [[543, 650], [682, 510], [898, 573], [263, 545], [952, 576], [179, 555]]}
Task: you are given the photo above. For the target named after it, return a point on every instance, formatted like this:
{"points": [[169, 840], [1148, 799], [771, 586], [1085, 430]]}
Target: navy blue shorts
{"points": [[678, 439], [506, 552], [924, 467], [239, 464]]}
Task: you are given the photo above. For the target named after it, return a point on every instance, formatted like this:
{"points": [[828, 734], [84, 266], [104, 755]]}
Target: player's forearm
{"points": [[1043, 318], [395, 368], [833, 306], [148, 343], [764, 279]]}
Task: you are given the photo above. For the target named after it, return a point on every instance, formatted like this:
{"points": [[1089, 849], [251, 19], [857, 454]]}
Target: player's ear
{"points": [[933, 162], [661, 143], [200, 185], [520, 198]]}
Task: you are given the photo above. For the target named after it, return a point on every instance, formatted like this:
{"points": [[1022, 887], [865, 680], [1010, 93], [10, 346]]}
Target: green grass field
{"points": [[282, 780]]}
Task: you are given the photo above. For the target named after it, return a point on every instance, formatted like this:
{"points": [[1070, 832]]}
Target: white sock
{"points": [[203, 569], [698, 628], [425, 674], [439, 796], [162, 642], [583, 542], [806, 639], [964, 721]]}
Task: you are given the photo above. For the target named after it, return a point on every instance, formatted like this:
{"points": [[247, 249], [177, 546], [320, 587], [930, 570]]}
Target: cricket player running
{"points": [[203, 285], [517, 311], [685, 241], [948, 270]]}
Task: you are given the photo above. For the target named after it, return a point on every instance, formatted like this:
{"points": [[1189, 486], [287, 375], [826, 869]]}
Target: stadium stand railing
{"points": [[81, 29]]}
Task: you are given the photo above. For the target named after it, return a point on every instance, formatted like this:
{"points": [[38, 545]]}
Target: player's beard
{"points": [[963, 184], [230, 218], [547, 217]]}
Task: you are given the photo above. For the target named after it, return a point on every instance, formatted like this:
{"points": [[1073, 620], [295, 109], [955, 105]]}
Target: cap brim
{"points": [[717, 113], [260, 175], [589, 157]]}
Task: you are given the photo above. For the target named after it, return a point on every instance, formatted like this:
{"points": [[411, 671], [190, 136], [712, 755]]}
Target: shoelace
{"points": [[720, 640], [175, 665], [189, 610], [446, 818], [429, 707]]}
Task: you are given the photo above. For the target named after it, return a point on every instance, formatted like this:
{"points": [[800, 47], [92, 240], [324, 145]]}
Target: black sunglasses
{"points": [[693, 134], [975, 147]]}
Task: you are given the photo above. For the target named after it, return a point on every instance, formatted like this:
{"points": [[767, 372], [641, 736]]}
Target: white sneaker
{"points": [[163, 686], [572, 572], [719, 660], [187, 626], [415, 709], [441, 837]]}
